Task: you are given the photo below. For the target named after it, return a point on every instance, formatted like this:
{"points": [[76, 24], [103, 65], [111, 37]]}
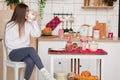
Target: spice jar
{"points": [[86, 2], [69, 45], [110, 35]]}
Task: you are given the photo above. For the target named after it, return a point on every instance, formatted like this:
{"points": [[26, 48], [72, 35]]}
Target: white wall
{"points": [[82, 16]]}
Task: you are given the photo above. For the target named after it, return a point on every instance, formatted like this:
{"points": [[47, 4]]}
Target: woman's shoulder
{"points": [[10, 24]]}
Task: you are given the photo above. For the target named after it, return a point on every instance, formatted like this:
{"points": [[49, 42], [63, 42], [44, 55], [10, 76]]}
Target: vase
{"points": [[86, 2], [110, 3]]}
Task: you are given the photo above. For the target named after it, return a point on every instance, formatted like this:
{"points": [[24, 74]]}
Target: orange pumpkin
{"points": [[47, 31], [85, 73]]}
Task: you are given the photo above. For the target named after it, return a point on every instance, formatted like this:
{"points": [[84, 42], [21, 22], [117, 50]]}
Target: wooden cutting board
{"points": [[102, 27]]}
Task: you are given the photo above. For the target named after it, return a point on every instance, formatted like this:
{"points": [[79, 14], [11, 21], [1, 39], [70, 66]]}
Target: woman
{"points": [[17, 39]]}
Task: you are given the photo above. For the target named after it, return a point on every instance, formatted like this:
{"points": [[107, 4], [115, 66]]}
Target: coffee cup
{"points": [[31, 15]]}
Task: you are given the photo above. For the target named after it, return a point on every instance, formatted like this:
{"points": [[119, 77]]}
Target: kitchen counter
{"points": [[56, 38]]}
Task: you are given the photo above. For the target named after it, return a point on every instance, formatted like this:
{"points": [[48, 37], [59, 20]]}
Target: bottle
{"points": [[69, 45], [61, 33], [96, 33], [84, 43]]}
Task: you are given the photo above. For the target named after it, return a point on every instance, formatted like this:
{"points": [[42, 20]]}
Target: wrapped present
{"points": [[53, 23]]}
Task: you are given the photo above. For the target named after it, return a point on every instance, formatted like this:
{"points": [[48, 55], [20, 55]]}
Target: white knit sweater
{"points": [[12, 39]]}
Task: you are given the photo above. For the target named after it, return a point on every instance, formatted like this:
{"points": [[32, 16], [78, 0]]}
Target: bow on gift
{"points": [[53, 23]]}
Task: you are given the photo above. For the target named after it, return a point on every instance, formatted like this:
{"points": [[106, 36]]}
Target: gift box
{"points": [[53, 23]]}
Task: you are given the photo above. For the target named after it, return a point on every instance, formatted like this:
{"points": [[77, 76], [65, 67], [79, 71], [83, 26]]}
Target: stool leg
{"points": [[78, 66], [75, 66], [4, 72], [16, 73], [35, 73], [100, 68], [22, 74], [71, 65]]}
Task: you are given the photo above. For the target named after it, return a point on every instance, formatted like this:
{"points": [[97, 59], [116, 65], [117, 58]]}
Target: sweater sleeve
{"points": [[12, 39], [35, 29]]}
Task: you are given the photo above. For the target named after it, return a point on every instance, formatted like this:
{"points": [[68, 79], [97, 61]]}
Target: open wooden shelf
{"points": [[98, 7]]}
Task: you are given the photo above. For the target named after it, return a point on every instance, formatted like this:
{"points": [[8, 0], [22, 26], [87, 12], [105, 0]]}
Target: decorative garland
{"points": [[41, 7]]}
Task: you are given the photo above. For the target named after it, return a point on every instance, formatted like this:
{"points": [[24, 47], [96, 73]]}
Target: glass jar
{"points": [[93, 46], [69, 46], [84, 43]]}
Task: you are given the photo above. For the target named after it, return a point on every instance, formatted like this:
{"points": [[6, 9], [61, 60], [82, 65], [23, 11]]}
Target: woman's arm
{"points": [[35, 29]]}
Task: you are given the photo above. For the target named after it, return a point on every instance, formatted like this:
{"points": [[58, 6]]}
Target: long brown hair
{"points": [[19, 16]]}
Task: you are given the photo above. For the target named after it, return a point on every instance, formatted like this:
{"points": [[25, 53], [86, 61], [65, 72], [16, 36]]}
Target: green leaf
{"points": [[41, 6]]}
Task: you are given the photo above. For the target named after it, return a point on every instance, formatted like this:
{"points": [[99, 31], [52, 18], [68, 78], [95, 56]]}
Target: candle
{"points": [[93, 46]]}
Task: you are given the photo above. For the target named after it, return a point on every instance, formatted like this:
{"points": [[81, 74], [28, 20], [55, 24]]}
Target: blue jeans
{"points": [[29, 56]]}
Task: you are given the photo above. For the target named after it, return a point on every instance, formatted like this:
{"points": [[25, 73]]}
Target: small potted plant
{"points": [[12, 3], [109, 2], [41, 6]]}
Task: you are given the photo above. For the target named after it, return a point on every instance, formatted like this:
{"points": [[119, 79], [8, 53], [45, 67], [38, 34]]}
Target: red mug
{"points": [[110, 35]]}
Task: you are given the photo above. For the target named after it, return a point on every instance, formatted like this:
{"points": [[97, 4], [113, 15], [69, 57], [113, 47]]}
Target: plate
{"points": [[58, 49], [46, 35]]}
